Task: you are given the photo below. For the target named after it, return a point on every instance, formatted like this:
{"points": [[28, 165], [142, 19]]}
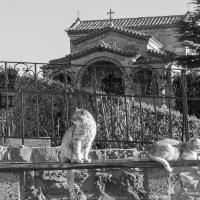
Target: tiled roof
{"points": [[97, 48], [161, 54], [121, 30], [148, 60], [131, 23]]}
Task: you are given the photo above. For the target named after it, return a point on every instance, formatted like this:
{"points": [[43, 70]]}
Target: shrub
{"points": [[140, 123], [118, 118], [12, 75], [48, 100]]}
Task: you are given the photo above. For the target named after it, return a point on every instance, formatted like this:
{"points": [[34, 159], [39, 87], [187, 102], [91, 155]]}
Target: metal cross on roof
{"points": [[110, 13]]}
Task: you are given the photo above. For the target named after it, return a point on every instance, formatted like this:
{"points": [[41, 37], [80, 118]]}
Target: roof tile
{"points": [[132, 23], [98, 48], [129, 32]]}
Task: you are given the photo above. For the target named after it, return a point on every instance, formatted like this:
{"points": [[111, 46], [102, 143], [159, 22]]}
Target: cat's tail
{"points": [[70, 182], [161, 161]]}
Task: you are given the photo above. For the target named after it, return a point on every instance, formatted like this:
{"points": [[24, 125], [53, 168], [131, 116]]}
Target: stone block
{"points": [[3, 153], [21, 154], [158, 184], [121, 58], [9, 186], [46, 154], [57, 189], [15, 154], [132, 185], [36, 194], [188, 182]]}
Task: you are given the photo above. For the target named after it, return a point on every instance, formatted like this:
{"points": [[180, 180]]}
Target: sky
{"points": [[34, 30]]}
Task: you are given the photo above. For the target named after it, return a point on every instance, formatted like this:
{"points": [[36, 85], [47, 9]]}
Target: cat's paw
{"points": [[87, 160], [77, 161]]}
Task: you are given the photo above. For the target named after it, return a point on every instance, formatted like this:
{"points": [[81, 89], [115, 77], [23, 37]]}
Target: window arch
{"points": [[105, 77]]}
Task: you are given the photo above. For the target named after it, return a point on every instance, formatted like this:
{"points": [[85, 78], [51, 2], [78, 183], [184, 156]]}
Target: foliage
{"points": [[118, 118], [140, 122], [44, 101], [193, 91], [12, 75], [189, 35]]}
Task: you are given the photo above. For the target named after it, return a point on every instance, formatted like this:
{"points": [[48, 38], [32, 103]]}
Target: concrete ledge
{"points": [[38, 173], [96, 164]]}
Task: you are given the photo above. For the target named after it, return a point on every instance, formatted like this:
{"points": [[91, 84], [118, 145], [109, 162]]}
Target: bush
{"points": [[12, 75], [117, 118], [49, 102], [140, 123]]}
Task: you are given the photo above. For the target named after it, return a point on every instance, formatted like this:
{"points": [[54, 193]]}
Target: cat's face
{"points": [[79, 116], [196, 144]]}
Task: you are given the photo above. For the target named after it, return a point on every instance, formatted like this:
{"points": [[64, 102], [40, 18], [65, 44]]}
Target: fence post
{"points": [[22, 185], [185, 106]]}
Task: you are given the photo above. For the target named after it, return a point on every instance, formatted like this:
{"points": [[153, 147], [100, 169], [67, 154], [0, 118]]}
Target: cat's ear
{"points": [[195, 139], [77, 109], [83, 112]]}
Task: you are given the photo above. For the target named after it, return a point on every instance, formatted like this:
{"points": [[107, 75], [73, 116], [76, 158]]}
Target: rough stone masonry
{"points": [[100, 184]]}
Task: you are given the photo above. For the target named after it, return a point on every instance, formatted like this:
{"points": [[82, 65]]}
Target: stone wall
{"points": [[45, 142], [102, 184]]}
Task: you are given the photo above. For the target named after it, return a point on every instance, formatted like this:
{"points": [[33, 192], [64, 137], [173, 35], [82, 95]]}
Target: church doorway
{"points": [[105, 77]]}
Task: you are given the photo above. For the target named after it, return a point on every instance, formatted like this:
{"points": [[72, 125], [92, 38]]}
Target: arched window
{"points": [[112, 85], [105, 77], [145, 81]]}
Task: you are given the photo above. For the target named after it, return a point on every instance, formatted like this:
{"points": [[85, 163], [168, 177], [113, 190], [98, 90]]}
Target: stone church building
{"points": [[121, 56]]}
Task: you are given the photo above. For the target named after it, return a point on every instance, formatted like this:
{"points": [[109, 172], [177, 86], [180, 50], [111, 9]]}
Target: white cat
{"points": [[169, 149], [77, 141]]}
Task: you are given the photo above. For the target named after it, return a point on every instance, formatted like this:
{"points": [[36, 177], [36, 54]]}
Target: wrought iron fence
{"points": [[133, 106]]}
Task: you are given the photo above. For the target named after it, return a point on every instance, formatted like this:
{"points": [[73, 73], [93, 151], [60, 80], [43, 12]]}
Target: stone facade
{"points": [[134, 43], [105, 184]]}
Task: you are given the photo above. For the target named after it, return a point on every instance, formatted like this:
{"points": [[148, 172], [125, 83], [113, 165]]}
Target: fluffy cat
{"points": [[77, 141], [169, 149]]}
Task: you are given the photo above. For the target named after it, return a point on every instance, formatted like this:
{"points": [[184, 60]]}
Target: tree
{"points": [[189, 35], [12, 75]]}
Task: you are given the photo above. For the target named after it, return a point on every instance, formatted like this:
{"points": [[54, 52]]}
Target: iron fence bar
{"points": [[22, 110], [6, 86], [127, 120], [111, 110], [37, 109], [154, 101], [170, 118], [141, 119], [95, 95], [52, 116], [107, 95], [66, 100], [184, 100], [131, 142], [155, 115]]}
